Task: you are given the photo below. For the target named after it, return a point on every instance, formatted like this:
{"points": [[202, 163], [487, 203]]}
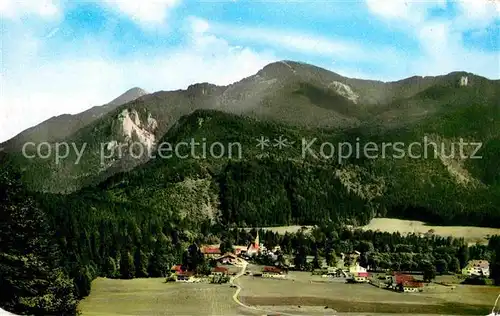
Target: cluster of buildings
{"points": [[253, 249], [235, 258], [183, 275], [478, 268]]}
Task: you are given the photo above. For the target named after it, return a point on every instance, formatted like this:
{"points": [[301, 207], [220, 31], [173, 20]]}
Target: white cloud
{"points": [[14, 9], [307, 46], [198, 25], [444, 52], [474, 14], [144, 12], [40, 89], [403, 10], [441, 42], [292, 41]]}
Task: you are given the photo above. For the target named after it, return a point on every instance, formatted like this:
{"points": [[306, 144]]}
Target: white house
{"points": [[356, 269], [477, 268], [273, 272]]}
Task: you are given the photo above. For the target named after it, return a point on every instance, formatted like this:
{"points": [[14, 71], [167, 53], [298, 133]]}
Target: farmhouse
{"points": [[211, 251], [176, 268], [404, 283], [411, 286], [477, 268], [184, 276], [273, 272], [228, 258], [360, 277], [399, 278], [356, 268], [220, 271]]}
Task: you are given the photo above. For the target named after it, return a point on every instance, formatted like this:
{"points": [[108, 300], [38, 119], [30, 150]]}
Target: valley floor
{"points": [[154, 297], [300, 294]]}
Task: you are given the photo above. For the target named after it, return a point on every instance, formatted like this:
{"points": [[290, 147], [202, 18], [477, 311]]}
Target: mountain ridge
{"points": [[290, 93], [136, 93], [58, 127]]}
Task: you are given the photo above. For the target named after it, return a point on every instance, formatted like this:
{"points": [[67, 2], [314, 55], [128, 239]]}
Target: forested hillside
{"points": [[140, 222]]}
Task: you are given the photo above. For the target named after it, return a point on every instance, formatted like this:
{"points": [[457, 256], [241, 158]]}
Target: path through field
{"points": [[238, 290]]}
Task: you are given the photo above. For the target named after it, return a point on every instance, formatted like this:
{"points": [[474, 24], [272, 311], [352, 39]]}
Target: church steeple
{"points": [[256, 242]]}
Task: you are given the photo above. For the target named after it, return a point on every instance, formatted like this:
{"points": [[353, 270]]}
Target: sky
{"points": [[62, 57]]}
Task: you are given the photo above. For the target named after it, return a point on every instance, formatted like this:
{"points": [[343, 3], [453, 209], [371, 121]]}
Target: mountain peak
{"points": [[136, 90], [129, 96], [278, 68]]}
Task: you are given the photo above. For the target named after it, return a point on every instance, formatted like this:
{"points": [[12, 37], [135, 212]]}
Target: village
{"points": [[252, 279], [247, 261]]}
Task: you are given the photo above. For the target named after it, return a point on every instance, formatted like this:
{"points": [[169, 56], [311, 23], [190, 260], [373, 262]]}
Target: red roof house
{"points": [[220, 270], [176, 268], [402, 278], [211, 251], [271, 269], [406, 283], [273, 272]]}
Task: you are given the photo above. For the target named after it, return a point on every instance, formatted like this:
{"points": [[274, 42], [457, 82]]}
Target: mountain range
{"points": [[294, 94]]}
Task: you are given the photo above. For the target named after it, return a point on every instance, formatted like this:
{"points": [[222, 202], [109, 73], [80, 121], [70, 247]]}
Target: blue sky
{"points": [[66, 56]]}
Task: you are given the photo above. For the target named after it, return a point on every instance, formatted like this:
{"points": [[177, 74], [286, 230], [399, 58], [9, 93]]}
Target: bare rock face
{"points": [[345, 91], [131, 135], [131, 129], [464, 81]]}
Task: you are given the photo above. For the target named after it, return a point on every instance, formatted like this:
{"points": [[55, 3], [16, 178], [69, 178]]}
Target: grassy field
{"points": [[470, 234], [303, 294], [300, 294], [153, 297]]}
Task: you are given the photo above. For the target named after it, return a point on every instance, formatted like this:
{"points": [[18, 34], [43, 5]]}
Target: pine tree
{"points": [[463, 256], [495, 259], [31, 281], [127, 267], [454, 265], [162, 258], [141, 264], [110, 270]]}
